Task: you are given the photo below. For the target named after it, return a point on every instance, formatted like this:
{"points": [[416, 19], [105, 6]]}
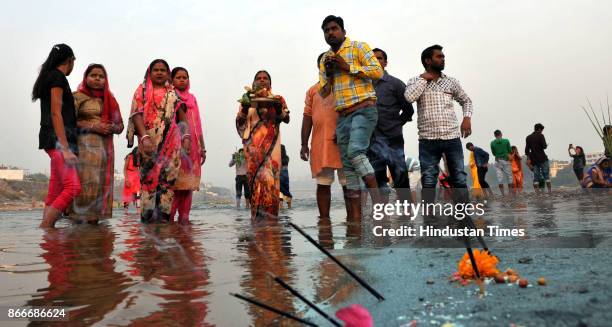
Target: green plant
{"points": [[603, 128]]}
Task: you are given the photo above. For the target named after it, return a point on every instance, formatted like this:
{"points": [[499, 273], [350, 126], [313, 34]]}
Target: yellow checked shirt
{"points": [[355, 86]]}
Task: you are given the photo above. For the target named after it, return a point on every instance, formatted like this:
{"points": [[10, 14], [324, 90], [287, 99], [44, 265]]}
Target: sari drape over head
{"points": [[97, 155], [158, 171]]}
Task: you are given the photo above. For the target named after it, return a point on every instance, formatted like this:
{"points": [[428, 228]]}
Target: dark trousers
{"points": [[242, 182], [579, 174], [284, 182], [482, 173], [389, 152], [430, 154]]}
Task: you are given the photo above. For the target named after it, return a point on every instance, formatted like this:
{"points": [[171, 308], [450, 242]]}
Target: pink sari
{"points": [[191, 171]]}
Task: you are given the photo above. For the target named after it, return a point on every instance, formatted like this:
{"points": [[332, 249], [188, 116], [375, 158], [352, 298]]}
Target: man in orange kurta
{"points": [[320, 118]]}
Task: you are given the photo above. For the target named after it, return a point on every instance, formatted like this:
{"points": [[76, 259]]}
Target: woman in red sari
{"points": [[193, 158], [258, 124], [98, 120], [155, 110]]}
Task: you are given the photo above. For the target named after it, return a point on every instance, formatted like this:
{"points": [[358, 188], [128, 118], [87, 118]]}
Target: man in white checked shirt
{"points": [[439, 130]]}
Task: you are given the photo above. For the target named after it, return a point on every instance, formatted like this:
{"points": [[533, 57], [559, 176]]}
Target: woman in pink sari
{"points": [[195, 154], [155, 110]]}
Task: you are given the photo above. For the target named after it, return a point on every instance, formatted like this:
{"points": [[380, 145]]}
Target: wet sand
{"points": [[125, 273]]}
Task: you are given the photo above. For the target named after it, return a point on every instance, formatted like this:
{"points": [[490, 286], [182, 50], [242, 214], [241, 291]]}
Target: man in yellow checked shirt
{"points": [[348, 70]]}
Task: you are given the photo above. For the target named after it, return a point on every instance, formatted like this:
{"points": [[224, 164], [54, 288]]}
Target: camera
{"points": [[330, 68]]}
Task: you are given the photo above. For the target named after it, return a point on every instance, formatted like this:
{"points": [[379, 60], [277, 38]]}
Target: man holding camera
{"points": [[348, 71]]}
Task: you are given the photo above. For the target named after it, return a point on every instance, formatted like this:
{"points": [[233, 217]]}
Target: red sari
{"points": [[260, 134], [132, 178]]}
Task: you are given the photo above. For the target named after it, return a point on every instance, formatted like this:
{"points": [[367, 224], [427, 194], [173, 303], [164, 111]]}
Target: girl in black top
{"points": [[579, 161], [58, 130]]}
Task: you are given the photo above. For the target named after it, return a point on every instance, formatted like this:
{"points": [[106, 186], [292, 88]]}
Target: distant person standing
{"points": [[439, 130], [131, 179], [517, 169], [242, 182], [321, 119], [534, 150], [387, 144], [58, 131], [284, 177], [579, 161], [501, 149], [482, 165]]}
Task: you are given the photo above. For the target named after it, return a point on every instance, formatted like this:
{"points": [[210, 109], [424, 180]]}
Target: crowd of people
{"points": [[351, 129]]}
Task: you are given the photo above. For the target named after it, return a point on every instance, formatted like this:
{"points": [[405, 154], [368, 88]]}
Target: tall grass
{"points": [[599, 125]]}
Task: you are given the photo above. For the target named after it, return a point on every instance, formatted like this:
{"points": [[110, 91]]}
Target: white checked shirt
{"points": [[436, 115]]}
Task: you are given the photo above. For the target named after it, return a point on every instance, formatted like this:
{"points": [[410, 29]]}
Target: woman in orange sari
{"points": [[155, 111], [517, 169], [98, 120], [131, 177], [258, 124]]}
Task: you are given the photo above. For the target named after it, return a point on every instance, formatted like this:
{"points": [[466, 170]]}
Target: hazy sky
{"points": [[521, 62]]}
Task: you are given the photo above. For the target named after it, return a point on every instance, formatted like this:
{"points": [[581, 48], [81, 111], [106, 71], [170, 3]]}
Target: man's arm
{"points": [[306, 126], [367, 65], [463, 99], [407, 109], [414, 88]]}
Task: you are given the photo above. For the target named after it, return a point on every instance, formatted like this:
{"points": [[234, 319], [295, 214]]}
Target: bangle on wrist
{"points": [[144, 137], [185, 135]]}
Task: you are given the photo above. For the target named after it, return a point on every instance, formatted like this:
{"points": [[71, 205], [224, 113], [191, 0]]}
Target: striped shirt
{"points": [[436, 115], [355, 86]]}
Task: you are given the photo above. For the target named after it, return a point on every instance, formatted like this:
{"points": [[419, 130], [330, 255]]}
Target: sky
{"points": [[521, 62]]}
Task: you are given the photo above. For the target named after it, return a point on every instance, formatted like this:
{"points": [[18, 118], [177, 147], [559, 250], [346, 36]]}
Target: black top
{"points": [[46, 137], [579, 161], [534, 148], [390, 101]]}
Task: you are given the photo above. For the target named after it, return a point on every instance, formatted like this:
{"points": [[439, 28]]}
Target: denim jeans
{"points": [[389, 152], [430, 153], [541, 171], [353, 134]]}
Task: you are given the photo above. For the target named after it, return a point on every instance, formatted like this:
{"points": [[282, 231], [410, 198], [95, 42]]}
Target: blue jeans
{"points": [[430, 153], [353, 134], [541, 171], [389, 152]]}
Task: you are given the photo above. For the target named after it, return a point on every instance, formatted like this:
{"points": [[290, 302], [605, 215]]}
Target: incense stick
{"points": [[350, 272]]}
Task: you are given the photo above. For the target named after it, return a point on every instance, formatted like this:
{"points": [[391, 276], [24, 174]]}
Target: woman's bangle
{"points": [[144, 137], [185, 135], [91, 127]]}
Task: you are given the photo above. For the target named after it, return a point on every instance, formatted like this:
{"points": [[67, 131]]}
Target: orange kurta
{"points": [[324, 153]]}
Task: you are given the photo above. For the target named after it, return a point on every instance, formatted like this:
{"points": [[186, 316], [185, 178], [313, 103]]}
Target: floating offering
{"points": [[486, 263], [523, 283], [500, 278], [512, 279]]}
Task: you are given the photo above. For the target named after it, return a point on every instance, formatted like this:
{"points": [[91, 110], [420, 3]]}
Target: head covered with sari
{"points": [[148, 103], [110, 110], [191, 162]]}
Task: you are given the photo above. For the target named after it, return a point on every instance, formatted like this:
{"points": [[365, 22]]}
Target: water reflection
{"points": [[168, 257], [81, 274]]}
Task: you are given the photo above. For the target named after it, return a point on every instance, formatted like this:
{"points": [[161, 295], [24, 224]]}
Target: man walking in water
{"points": [[348, 71], [535, 144], [501, 149], [438, 129]]}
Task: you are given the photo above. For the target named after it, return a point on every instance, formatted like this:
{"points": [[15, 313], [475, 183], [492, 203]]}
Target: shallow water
{"points": [[124, 273]]}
